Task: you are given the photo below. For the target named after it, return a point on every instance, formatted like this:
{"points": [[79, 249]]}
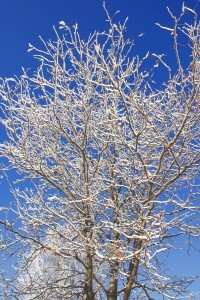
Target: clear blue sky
{"points": [[22, 21]]}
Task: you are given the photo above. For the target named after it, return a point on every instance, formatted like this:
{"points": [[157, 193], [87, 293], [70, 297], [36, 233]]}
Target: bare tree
{"points": [[44, 274], [102, 151]]}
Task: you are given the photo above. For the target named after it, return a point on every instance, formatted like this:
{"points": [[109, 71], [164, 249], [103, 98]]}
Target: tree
{"points": [[49, 275], [108, 165]]}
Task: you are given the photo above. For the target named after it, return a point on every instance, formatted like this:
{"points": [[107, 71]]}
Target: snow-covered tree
{"points": [[105, 153], [45, 274]]}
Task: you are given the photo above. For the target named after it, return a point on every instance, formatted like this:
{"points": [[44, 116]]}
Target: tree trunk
{"points": [[87, 232], [88, 291], [112, 292], [133, 270]]}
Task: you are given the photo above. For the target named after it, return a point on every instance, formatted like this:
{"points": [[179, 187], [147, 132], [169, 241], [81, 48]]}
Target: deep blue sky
{"points": [[22, 21]]}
